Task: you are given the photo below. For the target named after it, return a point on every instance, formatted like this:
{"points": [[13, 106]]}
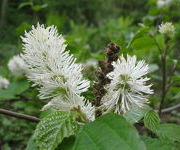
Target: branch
{"points": [[19, 115], [157, 44], [4, 5], [171, 108], [164, 74]]}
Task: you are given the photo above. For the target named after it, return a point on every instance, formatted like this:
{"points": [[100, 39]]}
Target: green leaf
{"points": [[23, 4], [19, 86], [39, 7], [143, 43], [177, 96], [53, 129], [135, 114], [109, 132], [176, 78], [67, 144], [169, 131], [157, 144], [5, 94], [53, 18], [138, 34], [151, 120], [15, 88], [31, 145], [21, 28]]}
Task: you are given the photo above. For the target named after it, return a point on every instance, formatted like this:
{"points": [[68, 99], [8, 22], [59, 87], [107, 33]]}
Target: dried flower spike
{"points": [[106, 67]]}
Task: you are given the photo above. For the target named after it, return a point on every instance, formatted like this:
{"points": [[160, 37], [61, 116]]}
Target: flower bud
{"points": [[167, 28]]}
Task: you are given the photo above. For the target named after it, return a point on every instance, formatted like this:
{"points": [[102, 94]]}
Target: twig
{"points": [[157, 44], [164, 74], [170, 82], [164, 82], [4, 6], [19, 115], [170, 108]]}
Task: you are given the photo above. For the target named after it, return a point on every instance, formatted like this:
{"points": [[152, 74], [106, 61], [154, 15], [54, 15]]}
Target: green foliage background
{"points": [[88, 26]]}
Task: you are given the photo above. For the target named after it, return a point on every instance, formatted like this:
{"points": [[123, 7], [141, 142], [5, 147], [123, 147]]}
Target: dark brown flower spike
{"points": [[105, 67]]}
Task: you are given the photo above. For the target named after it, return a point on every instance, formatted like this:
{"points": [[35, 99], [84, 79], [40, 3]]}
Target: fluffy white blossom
{"points": [[163, 3], [128, 86], [17, 66], [54, 70], [70, 102], [166, 28], [4, 83]]}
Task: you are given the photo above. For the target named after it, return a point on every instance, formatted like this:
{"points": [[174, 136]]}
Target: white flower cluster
{"points": [[4, 83], [167, 28], [54, 70], [128, 86], [17, 66], [163, 3]]}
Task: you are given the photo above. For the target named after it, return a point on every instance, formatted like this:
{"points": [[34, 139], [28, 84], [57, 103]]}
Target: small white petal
{"points": [[167, 28], [17, 66], [4, 83]]}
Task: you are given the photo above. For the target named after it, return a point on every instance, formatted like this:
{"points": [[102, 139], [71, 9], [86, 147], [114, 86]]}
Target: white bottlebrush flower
{"points": [[160, 3], [4, 83], [52, 68], [128, 85], [167, 28], [17, 66], [70, 102], [163, 3]]}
